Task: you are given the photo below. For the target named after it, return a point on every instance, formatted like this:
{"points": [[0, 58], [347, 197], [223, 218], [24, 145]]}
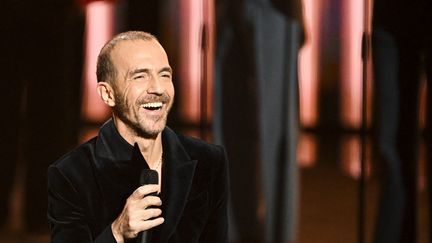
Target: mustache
{"points": [[164, 98]]}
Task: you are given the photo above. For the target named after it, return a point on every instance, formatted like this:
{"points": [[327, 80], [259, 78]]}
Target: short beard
{"points": [[121, 109]]}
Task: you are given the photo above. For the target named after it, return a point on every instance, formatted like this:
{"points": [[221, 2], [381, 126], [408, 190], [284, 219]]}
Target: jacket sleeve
{"points": [[66, 216], [216, 229]]}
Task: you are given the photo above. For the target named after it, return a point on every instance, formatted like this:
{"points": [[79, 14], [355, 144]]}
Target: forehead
{"points": [[131, 54]]}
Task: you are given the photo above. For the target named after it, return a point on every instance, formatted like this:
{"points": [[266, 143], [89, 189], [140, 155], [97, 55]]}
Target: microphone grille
{"points": [[149, 176]]}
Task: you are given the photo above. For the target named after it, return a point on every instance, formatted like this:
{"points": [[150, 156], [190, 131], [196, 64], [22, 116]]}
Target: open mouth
{"points": [[152, 106]]}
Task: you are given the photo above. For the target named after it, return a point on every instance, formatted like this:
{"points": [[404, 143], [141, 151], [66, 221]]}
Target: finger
{"points": [[141, 191], [151, 213], [144, 225], [144, 214], [139, 216], [150, 201], [151, 223]]}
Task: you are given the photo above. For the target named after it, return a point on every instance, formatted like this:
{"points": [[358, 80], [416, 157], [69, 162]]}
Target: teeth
{"points": [[153, 105]]}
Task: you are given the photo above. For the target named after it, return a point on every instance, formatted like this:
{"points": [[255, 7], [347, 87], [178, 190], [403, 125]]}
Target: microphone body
{"points": [[147, 177]]}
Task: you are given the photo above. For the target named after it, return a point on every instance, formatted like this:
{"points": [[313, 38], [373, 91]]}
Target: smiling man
{"points": [[94, 191]]}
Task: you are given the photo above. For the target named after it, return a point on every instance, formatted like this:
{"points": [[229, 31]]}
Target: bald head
{"points": [[105, 70]]}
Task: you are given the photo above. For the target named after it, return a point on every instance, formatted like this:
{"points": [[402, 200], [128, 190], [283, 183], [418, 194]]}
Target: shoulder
{"points": [[80, 153], [199, 149], [209, 157], [75, 164], [211, 170], [212, 161], [198, 144]]}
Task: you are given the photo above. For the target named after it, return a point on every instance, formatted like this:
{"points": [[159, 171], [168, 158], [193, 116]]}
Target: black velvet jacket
{"points": [[88, 187]]}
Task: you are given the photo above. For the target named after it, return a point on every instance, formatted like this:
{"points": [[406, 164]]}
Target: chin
{"points": [[151, 131]]}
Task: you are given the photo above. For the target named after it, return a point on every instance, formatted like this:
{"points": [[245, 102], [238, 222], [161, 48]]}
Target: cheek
{"points": [[170, 90], [132, 94]]}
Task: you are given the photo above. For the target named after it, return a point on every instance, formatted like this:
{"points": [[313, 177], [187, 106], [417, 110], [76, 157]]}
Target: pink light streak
{"points": [[350, 157], [308, 65], [351, 63], [191, 20], [99, 29]]}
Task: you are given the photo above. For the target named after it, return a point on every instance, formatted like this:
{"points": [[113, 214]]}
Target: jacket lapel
{"points": [[118, 169], [178, 171]]}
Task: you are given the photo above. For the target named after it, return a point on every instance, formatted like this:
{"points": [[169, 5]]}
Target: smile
{"points": [[153, 106]]}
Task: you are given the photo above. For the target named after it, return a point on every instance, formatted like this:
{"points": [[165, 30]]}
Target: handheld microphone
{"points": [[147, 177]]}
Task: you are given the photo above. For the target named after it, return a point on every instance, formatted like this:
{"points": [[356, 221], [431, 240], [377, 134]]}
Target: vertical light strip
{"points": [[422, 158], [99, 28], [351, 91], [422, 167], [423, 102], [307, 150], [369, 79], [351, 65], [309, 82], [190, 59], [350, 157], [209, 54], [308, 59]]}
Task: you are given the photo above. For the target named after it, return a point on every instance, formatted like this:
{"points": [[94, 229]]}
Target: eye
{"points": [[166, 75], [140, 76]]}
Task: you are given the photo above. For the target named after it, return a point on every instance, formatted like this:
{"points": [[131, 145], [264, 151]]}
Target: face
{"points": [[143, 88]]}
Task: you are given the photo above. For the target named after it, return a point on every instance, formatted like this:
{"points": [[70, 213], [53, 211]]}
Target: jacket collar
{"points": [[112, 146], [177, 175], [119, 168]]}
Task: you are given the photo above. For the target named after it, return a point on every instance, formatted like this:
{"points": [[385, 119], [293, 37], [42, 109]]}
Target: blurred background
{"points": [[322, 105]]}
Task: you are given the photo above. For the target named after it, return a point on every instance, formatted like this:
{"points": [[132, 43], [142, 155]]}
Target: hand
{"points": [[138, 214]]}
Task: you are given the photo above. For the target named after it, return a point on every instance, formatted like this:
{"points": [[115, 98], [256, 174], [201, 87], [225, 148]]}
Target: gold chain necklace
{"points": [[159, 162]]}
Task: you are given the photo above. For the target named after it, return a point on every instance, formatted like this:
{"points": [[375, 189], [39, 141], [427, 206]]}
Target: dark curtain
{"points": [[402, 52], [144, 16], [256, 114], [41, 46]]}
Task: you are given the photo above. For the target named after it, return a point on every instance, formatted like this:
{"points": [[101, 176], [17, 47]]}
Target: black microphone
{"points": [[147, 177]]}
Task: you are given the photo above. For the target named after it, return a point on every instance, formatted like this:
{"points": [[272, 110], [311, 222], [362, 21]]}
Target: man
{"points": [[94, 191]]}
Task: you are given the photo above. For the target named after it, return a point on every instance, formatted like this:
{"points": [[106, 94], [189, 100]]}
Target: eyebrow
{"points": [[146, 70], [139, 70], [166, 69]]}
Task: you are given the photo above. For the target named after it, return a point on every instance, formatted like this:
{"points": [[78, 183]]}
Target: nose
{"points": [[155, 86]]}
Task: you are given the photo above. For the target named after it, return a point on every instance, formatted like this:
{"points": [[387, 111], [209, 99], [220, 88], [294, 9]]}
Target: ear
{"points": [[106, 93]]}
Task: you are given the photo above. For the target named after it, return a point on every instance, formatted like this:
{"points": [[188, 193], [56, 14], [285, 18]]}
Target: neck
{"points": [[150, 147]]}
